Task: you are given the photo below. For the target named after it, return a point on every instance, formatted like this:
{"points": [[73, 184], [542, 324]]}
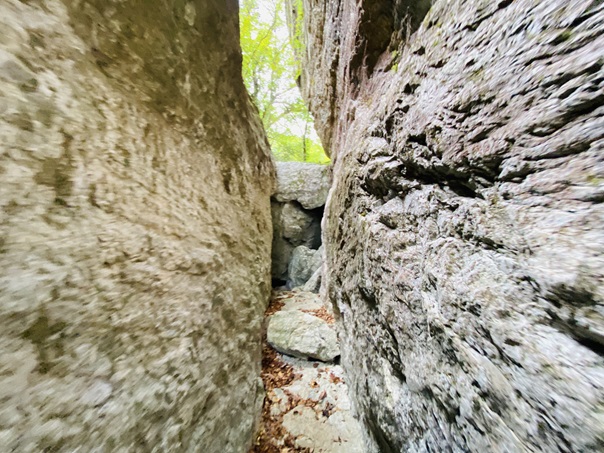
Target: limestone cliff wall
{"points": [[135, 234], [465, 230]]}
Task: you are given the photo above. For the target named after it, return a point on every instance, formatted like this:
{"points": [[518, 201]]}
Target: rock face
{"points": [[465, 230], [297, 210], [135, 185], [303, 265]]}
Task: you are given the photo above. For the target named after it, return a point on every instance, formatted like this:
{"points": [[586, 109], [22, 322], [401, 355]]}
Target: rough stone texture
{"points": [[465, 230], [306, 183], [304, 263], [299, 227], [134, 231], [296, 332], [313, 285], [329, 426], [292, 226], [297, 210]]}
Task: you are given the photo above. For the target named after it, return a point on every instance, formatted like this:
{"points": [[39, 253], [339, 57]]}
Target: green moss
{"points": [[477, 74], [92, 195], [57, 173], [563, 36], [23, 121], [36, 40], [44, 115]]}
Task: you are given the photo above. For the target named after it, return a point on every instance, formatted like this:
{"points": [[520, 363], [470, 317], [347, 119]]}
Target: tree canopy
{"points": [[270, 70]]}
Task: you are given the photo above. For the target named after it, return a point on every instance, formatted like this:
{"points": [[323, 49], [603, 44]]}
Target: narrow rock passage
{"points": [[306, 408]]}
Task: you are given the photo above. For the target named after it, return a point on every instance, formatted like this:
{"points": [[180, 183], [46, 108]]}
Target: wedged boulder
{"points": [[306, 183], [300, 227], [297, 211], [304, 263], [293, 226], [300, 334], [281, 251]]}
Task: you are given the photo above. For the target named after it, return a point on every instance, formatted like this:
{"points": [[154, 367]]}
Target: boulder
{"points": [[297, 212], [281, 250], [303, 264], [464, 232], [292, 226], [306, 183], [300, 227], [135, 183], [300, 334]]}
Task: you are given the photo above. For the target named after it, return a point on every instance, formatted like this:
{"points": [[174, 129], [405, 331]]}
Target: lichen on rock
{"points": [[463, 233], [135, 235]]}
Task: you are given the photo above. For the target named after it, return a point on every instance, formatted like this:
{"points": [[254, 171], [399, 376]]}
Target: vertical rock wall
{"points": [[135, 235], [465, 230]]}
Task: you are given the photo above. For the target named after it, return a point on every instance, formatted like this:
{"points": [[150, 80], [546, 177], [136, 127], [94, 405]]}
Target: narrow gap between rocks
{"points": [[306, 408]]}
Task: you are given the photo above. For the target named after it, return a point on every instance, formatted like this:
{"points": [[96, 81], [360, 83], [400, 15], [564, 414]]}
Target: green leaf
{"points": [[270, 69]]}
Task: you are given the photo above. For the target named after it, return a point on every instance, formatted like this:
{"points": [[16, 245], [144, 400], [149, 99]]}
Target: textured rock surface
{"points": [[308, 184], [328, 426], [134, 230], [465, 232], [313, 285], [296, 332], [300, 227], [297, 210], [304, 263], [293, 226]]}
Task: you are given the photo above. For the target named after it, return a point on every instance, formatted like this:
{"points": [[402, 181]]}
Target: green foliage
{"points": [[290, 147], [270, 70]]}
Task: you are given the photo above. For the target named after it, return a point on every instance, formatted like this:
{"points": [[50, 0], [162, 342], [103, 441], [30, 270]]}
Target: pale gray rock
{"points": [[98, 393], [293, 226], [300, 227], [299, 299], [300, 334], [297, 210], [135, 231], [329, 426], [464, 230], [281, 250], [313, 285], [339, 433], [303, 264], [306, 183]]}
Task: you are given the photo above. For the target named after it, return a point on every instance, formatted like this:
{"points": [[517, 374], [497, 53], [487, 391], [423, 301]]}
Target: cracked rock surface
{"points": [[307, 408], [297, 331], [464, 232]]}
